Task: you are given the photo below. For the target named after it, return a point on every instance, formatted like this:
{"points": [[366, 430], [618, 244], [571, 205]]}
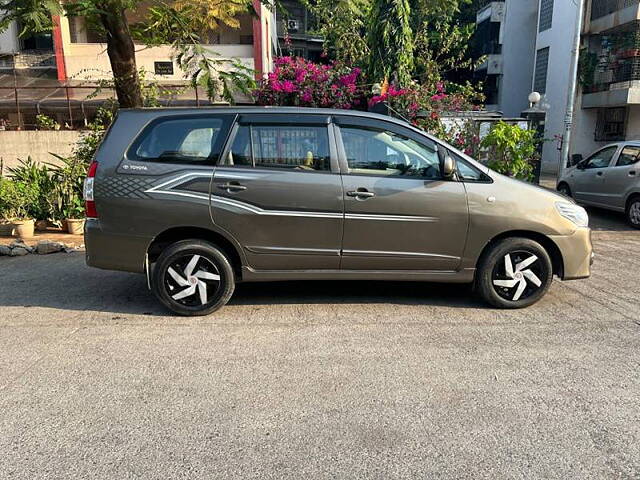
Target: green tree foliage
{"points": [[512, 150], [390, 41], [111, 16]]}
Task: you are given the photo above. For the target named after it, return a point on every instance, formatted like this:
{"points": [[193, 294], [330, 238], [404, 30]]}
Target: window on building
{"points": [[611, 124], [546, 15], [542, 66]]}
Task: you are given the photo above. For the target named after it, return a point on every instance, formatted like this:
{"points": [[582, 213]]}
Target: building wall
{"points": [[9, 40], [558, 39], [518, 48], [37, 144]]}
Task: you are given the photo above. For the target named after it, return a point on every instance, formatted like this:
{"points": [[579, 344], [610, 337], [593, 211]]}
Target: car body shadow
{"points": [[63, 281]]}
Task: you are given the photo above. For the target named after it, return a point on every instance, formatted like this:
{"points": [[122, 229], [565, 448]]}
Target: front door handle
{"points": [[599, 174], [632, 173], [232, 187], [361, 193]]}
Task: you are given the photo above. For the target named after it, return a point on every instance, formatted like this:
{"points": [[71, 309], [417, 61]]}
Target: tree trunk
{"points": [[122, 56]]}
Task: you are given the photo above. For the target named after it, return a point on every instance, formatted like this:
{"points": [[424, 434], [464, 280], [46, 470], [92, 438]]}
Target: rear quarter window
{"points": [[186, 140]]}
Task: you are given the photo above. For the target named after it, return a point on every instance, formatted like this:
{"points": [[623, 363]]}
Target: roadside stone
{"points": [[21, 244], [4, 250], [19, 251], [45, 247]]}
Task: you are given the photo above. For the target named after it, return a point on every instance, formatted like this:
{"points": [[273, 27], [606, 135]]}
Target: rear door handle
{"points": [[232, 187], [632, 173], [599, 174], [361, 193]]}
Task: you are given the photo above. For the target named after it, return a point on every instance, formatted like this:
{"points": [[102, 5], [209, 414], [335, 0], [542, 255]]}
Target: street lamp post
{"points": [[571, 96]]}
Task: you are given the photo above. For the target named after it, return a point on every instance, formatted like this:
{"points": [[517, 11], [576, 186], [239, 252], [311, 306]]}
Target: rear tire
{"points": [[193, 277], [633, 212], [514, 273]]}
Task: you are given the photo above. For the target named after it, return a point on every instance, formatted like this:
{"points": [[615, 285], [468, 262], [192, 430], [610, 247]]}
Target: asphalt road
{"points": [[320, 380]]}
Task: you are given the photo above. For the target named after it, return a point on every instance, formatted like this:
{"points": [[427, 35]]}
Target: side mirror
{"points": [[580, 166], [448, 167], [575, 159], [447, 164]]}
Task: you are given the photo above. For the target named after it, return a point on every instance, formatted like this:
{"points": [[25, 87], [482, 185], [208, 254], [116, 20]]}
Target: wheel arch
{"points": [[175, 234], [631, 196], [549, 245]]}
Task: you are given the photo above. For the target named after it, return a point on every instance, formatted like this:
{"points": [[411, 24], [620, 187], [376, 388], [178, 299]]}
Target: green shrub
{"points": [[16, 199], [66, 196], [512, 150], [39, 177]]}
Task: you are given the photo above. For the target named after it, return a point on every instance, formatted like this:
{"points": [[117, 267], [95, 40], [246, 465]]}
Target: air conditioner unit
{"points": [[292, 25]]}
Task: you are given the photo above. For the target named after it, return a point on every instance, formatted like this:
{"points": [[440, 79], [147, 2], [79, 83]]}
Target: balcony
{"points": [[490, 10], [610, 76], [608, 14]]}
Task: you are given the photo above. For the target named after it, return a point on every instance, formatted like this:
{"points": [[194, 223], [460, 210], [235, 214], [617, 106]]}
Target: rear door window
{"points": [[628, 156], [191, 140], [283, 147]]}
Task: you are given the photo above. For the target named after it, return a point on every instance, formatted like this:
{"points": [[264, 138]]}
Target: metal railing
{"points": [[601, 8], [74, 106]]}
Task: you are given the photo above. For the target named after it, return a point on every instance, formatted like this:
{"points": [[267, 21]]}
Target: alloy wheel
{"points": [[517, 276], [634, 213], [192, 280]]}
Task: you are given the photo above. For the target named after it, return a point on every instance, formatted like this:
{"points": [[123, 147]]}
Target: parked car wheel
{"points": [[564, 189], [633, 212], [193, 277], [514, 273]]}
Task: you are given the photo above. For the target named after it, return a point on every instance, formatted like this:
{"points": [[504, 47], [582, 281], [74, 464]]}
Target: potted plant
{"points": [[67, 204], [74, 214], [16, 199]]}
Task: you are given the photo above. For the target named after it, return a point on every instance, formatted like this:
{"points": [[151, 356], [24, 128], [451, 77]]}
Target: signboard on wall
{"points": [[163, 68]]}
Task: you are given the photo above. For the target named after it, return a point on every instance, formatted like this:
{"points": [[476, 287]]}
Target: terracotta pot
{"points": [[75, 226], [23, 228], [42, 225], [6, 229]]}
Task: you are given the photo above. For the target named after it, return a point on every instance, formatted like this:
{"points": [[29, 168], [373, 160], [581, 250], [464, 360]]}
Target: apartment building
{"points": [[609, 99], [76, 53], [296, 26], [505, 37]]}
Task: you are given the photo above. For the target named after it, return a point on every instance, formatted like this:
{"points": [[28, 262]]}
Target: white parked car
{"points": [[608, 178]]}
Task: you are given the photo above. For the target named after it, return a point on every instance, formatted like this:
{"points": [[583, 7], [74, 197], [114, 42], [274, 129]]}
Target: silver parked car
{"points": [[200, 199], [609, 178]]}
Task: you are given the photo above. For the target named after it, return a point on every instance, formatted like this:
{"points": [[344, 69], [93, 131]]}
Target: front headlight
{"points": [[573, 212]]}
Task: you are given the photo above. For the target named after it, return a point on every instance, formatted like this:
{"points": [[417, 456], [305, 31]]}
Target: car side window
{"points": [[299, 148], [183, 140], [600, 159], [628, 156], [379, 152]]}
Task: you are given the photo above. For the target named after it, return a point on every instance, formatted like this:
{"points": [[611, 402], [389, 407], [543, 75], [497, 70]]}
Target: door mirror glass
{"points": [[576, 158], [448, 167]]}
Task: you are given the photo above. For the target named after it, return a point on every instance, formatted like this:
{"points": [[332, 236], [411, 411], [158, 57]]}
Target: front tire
{"points": [[514, 273], [564, 189], [633, 212], [193, 277]]}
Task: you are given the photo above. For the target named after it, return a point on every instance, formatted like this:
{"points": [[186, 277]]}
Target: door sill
{"points": [[460, 276]]}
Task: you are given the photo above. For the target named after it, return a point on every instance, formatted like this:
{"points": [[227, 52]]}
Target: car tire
{"points": [[514, 273], [633, 212], [564, 189], [193, 277]]}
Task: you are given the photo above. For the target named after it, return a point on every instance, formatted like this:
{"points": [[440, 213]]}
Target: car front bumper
{"points": [[577, 253]]}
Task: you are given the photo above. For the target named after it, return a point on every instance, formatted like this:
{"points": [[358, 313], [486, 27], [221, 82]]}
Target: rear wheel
{"points": [[564, 189], [514, 273], [633, 212], [193, 277]]}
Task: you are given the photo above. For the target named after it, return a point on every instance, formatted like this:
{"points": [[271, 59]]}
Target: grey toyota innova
{"points": [[199, 199]]}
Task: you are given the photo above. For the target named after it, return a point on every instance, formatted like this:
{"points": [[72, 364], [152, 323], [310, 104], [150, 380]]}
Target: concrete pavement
{"points": [[320, 380]]}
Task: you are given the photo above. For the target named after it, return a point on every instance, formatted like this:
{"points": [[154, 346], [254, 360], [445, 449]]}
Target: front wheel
{"points": [[564, 189], [633, 212], [193, 277], [514, 273]]}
